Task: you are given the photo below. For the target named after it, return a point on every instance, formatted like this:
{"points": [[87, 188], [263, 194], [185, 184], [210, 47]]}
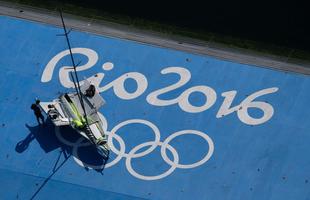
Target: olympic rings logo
{"points": [[132, 154]]}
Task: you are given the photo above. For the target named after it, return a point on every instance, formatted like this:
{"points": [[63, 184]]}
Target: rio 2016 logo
{"points": [[119, 89]]}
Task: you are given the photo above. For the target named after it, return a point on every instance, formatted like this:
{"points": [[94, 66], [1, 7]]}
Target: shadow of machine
{"points": [[49, 141]]}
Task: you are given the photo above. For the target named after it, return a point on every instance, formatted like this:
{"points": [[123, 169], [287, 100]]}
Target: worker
{"points": [[37, 111]]}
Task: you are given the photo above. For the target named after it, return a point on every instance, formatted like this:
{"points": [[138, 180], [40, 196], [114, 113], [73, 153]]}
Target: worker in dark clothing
{"points": [[37, 111]]}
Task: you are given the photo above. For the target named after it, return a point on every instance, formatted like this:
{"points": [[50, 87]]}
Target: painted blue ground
{"points": [[267, 161]]}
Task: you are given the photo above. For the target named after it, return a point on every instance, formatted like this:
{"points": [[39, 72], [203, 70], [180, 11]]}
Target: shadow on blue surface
{"points": [[48, 141], [46, 137]]}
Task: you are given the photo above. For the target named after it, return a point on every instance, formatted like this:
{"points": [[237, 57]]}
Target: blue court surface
{"points": [[181, 126]]}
